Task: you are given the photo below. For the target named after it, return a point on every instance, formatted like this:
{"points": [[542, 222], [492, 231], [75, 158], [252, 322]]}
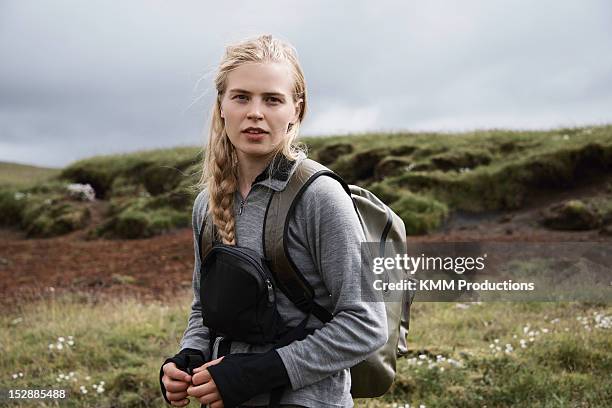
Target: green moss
{"points": [[135, 221], [508, 184], [571, 215], [461, 159], [385, 192], [49, 215], [11, 206], [158, 170], [420, 214]]}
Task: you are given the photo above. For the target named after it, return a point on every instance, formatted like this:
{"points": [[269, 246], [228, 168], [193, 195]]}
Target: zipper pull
{"points": [[270, 291], [241, 207]]}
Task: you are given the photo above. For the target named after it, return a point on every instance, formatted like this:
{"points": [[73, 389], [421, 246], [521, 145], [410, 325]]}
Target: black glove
{"points": [[241, 376], [186, 360]]}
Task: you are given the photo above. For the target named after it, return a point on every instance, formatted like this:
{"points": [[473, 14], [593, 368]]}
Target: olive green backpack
{"points": [[374, 375]]}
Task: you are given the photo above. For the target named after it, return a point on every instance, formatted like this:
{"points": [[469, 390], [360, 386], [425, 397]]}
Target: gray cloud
{"points": [[80, 79]]}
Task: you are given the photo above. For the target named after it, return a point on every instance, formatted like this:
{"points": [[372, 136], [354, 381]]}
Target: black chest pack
{"points": [[239, 273], [238, 286], [237, 292]]}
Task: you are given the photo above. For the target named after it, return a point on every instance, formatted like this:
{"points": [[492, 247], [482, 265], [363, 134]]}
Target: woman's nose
{"points": [[255, 111]]}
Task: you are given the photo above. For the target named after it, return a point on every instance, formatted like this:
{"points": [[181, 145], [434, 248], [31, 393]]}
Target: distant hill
{"points": [[15, 173], [427, 178]]}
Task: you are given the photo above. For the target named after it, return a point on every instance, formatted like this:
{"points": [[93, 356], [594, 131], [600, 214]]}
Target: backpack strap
{"points": [[278, 213]]}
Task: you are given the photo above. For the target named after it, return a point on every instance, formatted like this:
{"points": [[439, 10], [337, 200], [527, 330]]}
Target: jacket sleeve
{"points": [[326, 216], [196, 335]]}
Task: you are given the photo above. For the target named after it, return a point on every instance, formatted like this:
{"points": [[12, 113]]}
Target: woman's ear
{"points": [[298, 110]]}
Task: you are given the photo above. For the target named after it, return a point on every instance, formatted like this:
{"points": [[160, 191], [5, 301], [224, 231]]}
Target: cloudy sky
{"points": [[81, 78]]}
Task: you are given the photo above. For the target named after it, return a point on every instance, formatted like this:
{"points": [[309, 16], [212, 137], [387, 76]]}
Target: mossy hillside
{"points": [[150, 192], [472, 171], [146, 216], [157, 171], [44, 210], [478, 171]]}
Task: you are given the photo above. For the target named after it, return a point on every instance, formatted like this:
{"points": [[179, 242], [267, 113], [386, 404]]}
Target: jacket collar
{"points": [[282, 169]]}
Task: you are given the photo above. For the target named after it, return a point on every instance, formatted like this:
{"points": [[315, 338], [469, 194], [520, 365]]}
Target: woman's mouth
{"points": [[254, 136], [254, 133]]}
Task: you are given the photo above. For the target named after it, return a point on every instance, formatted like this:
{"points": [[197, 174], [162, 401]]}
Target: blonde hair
{"points": [[219, 168]]}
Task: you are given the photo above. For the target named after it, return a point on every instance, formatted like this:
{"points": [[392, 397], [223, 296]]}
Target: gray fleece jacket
{"points": [[324, 241]]}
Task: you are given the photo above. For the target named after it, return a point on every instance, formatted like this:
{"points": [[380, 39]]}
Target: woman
{"points": [[261, 101]]}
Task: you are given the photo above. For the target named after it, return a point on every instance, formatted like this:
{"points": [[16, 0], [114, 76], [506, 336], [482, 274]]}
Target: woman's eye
{"points": [[241, 97], [273, 99]]}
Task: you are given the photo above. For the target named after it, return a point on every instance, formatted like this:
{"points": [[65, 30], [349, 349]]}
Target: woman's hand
{"points": [[203, 387], [176, 383]]}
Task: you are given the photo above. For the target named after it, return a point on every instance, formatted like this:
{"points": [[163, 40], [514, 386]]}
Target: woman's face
{"points": [[258, 95]]}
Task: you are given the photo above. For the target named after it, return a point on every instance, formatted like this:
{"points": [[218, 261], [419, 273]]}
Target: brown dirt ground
{"points": [[162, 266]]}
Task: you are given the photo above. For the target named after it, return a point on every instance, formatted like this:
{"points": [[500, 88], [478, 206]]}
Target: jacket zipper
{"points": [[262, 274], [241, 207]]}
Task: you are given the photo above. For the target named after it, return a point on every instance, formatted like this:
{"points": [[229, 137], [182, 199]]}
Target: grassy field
{"points": [[461, 355]]}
